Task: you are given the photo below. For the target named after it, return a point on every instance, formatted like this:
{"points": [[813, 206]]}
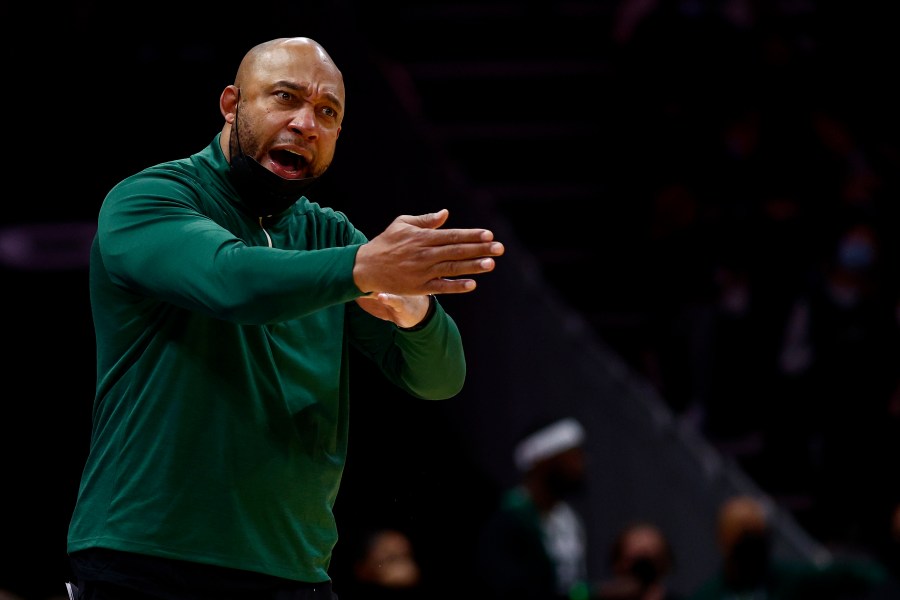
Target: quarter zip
{"points": [[263, 227]]}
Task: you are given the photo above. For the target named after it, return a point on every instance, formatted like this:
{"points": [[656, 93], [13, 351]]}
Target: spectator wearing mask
{"points": [[533, 547], [640, 560], [749, 571]]}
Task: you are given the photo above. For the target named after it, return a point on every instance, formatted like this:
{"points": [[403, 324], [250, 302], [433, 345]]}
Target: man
{"points": [[225, 304], [384, 566], [640, 560], [534, 546], [750, 570]]}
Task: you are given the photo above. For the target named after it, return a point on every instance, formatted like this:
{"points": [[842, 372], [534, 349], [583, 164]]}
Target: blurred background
{"points": [[699, 203]]}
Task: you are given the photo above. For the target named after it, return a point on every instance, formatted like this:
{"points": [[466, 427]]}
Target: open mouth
{"points": [[287, 164]]}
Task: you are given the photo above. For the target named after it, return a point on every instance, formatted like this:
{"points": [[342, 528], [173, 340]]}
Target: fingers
{"points": [[444, 237], [414, 257], [450, 283], [450, 286], [464, 251], [428, 221]]}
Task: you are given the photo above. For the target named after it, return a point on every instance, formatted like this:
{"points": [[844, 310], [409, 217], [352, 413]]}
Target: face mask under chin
{"points": [[262, 191]]}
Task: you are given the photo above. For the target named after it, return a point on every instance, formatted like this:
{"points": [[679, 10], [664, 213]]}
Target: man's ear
{"points": [[228, 102]]}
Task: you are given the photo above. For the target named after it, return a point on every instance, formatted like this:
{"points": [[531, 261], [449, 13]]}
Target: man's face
{"points": [[566, 472], [290, 112]]}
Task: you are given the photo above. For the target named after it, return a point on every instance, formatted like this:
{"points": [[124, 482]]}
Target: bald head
{"points": [[299, 60], [280, 51]]}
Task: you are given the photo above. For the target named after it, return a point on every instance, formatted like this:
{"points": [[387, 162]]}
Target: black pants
{"points": [[110, 575]]}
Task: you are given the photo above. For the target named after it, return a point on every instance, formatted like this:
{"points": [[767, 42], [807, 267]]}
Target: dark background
{"points": [[600, 152]]}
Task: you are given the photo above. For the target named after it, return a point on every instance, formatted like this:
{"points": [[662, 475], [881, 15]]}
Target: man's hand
{"points": [[403, 311], [413, 257]]}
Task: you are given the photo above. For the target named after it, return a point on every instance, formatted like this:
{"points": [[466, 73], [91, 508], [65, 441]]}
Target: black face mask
{"points": [[750, 559], [262, 191], [564, 485], [644, 569]]}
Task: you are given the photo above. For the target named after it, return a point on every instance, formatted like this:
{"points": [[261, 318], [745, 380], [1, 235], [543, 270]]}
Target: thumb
{"points": [[428, 220]]}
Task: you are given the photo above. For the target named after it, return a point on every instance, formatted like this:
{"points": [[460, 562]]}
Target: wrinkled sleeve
{"points": [[155, 242], [428, 363]]}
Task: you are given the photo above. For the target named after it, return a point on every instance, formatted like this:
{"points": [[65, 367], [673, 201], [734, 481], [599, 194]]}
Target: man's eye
{"points": [[329, 112], [283, 95]]}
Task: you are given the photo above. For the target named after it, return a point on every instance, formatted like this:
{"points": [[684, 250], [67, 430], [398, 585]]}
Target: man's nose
{"points": [[304, 122]]}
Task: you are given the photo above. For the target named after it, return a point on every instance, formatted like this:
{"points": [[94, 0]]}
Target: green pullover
{"points": [[221, 414]]}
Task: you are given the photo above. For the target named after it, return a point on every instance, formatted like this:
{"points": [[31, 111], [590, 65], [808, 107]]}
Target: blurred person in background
{"points": [[384, 567], [840, 343], [640, 560], [750, 571], [534, 546]]}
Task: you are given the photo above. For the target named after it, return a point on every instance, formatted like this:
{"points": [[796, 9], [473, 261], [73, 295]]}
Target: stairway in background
{"points": [[522, 101], [516, 96]]}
